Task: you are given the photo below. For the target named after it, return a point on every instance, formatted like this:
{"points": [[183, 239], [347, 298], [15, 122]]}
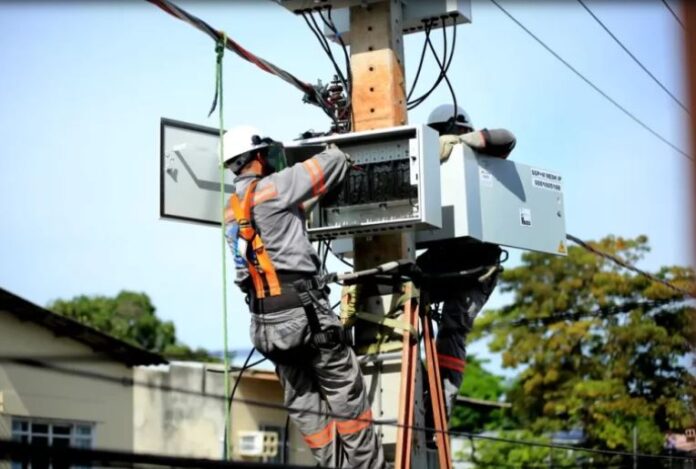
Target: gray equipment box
{"points": [[415, 13], [499, 201], [395, 186], [190, 173]]}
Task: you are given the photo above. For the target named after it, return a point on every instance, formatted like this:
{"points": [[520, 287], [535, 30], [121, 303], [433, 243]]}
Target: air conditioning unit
{"points": [[257, 444]]}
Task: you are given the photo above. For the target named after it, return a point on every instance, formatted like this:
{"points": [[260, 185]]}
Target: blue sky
{"points": [[84, 84]]}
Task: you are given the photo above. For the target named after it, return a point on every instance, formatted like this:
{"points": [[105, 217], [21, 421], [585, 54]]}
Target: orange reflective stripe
{"points": [[348, 427], [265, 194], [316, 175], [450, 362], [321, 438]]}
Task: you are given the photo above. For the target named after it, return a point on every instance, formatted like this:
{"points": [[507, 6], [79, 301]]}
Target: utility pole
{"points": [[379, 100], [635, 447]]}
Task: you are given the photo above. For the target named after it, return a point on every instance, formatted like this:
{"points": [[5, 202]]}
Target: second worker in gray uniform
{"points": [[318, 370], [463, 298]]}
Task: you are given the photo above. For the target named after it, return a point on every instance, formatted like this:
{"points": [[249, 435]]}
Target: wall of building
{"points": [[192, 424], [45, 394]]}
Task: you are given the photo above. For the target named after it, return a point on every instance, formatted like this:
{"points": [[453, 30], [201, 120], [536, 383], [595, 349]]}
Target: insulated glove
{"points": [[474, 140]]}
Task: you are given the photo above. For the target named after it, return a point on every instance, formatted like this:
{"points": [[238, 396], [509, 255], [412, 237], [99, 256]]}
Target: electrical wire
{"points": [[443, 69], [592, 85], [628, 266], [427, 26], [312, 95], [130, 382], [602, 312], [41, 455], [676, 17], [444, 66], [349, 91], [312, 24], [630, 54]]}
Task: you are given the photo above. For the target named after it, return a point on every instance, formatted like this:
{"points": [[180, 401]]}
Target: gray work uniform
{"points": [[317, 379], [464, 298]]}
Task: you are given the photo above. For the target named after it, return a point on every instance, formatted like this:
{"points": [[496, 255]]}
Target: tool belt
{"points": [[303, 290], [290, 298]]}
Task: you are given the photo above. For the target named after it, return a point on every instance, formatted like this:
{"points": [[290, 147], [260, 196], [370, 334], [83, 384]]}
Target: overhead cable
{"points": [[628, 266], [602, 312], [41, 454], [130, 382], [444, 65], [630, 54], [592, 85], [311, 93], [676, 17]]}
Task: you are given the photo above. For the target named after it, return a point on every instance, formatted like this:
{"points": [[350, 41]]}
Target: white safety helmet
{"points": [[240, 144], [444, 119]]}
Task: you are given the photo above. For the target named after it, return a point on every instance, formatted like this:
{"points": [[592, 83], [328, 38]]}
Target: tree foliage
{"points": [[131, 317], [619, 361]]}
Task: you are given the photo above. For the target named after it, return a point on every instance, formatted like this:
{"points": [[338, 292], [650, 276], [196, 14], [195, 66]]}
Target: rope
{"points": [[312, 95], [628, 266], [220, 53]]}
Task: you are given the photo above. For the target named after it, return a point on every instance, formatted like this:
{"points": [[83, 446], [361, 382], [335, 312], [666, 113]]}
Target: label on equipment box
{"points": [[545, 180]]}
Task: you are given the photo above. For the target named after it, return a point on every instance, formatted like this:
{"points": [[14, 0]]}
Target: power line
{"points": [[602, 312], [676, 17], [130, 382], [69, 456], [628, 266], [312, 94], [635, 59], [592, 85]]}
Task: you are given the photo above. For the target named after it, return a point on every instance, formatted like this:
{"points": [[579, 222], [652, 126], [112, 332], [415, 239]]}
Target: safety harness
{"points": [[279, 290], [263, 274]]}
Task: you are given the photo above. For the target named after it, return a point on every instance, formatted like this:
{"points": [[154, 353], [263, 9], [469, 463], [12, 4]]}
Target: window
{"points": [[56, 433], [279, 458]]}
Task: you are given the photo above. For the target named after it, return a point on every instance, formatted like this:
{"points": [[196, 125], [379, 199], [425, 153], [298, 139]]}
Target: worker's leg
{"points": [[341, 381], [308, 411], [458, 314], [283, 338]]}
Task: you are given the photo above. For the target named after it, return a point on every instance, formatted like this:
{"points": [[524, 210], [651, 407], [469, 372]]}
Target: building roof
{"points": [[102, 343]]}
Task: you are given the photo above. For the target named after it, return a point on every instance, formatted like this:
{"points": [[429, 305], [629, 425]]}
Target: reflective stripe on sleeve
{"points": [[321, 438], [316, 175], [264, 194], [348, 427]]}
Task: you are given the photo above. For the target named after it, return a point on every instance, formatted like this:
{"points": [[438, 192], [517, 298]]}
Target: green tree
{"points": [[478, 383], [131, 317], [600, 349]]}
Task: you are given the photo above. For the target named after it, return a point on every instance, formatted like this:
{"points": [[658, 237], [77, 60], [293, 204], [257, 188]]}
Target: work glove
{"points": [[333, 146], [474, 140]]}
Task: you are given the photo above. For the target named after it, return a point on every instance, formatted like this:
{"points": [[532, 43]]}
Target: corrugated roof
{"points": [[102, 343]]}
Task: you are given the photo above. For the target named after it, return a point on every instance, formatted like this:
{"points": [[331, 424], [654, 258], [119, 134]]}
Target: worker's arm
{"points": [[310, 179], [494, 142]]}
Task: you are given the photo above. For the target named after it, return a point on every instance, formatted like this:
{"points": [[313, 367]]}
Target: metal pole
{"points": [[635, 447]]}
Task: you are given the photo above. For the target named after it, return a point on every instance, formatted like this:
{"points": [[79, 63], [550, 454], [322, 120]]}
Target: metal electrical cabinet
{"points": [[500, 201], [394, 185]]}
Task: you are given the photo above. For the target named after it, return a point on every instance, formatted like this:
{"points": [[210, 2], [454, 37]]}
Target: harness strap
{"points": [[260, 265]]}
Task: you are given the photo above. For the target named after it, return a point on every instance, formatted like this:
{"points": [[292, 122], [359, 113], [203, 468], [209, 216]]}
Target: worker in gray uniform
{"points": [[291, 321], [462, 297]]}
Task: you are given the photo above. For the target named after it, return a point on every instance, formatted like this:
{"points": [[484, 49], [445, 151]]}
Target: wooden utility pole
{"points": [[379, 100]]}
